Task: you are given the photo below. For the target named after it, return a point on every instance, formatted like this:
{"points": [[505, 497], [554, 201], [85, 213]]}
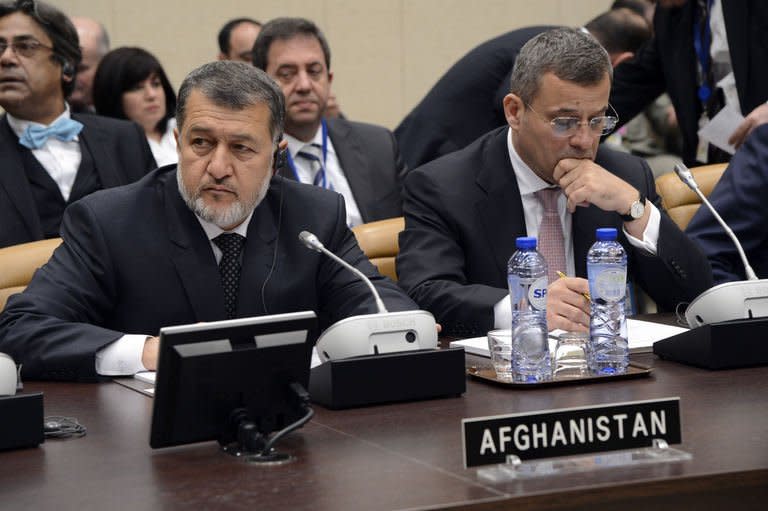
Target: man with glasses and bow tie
{"points": [[360, 161], [543, 175], [49, 157]]}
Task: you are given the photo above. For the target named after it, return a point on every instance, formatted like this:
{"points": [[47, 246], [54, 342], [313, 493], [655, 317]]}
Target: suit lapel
{"points": [[193, 257], [585, 222], [349, 151], [258, 256], [500, 211], [13, 179], [96, 142]]}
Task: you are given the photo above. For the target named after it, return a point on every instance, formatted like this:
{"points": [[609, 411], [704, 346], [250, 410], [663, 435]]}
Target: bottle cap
{"points": [[606, 234], [526, 243]]}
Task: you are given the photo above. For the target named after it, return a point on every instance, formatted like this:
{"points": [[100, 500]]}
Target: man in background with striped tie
{"points": [[359, 161]]}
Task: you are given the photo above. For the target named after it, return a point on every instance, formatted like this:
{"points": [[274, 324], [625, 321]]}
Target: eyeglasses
{"points": [[23, 47], [569, 126]]}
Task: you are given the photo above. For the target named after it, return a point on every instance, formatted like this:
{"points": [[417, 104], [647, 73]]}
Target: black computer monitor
{"points": [[235, 381]]}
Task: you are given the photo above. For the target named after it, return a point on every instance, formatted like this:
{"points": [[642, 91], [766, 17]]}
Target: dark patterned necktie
{"points": [[231, 246]]}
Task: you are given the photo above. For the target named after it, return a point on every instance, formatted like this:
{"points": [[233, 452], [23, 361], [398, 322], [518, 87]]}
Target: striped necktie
{"points": [[308, 152]]}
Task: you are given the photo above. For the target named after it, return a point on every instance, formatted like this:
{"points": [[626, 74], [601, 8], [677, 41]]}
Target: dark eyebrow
{"points": [[574, 112], [26, 37]]}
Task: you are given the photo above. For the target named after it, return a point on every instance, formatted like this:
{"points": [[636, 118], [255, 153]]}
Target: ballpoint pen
{"points": [[585, 295]]}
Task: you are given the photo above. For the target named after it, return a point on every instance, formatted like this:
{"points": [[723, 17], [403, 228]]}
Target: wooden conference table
{"points": [[401, 456]]}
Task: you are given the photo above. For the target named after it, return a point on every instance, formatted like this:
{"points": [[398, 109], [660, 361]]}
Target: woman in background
{"points": [[130, 84]]}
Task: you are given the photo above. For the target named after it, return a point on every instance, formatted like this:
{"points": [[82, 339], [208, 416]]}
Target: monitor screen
{"points": [[211, 374]]}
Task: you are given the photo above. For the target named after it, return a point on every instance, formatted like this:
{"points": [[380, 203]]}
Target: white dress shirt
{"points": [[123, 357], [334, 174], [721, 56], [59, 158], [529, 183], [164, 151]]}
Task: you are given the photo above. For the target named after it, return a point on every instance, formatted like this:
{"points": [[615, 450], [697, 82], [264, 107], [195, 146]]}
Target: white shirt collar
{"points": [[295, 145], [19, 125], [213, 230], [527, 180]]}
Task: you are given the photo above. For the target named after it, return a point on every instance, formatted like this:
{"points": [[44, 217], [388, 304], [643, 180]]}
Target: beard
{"points": [[225, 217]]}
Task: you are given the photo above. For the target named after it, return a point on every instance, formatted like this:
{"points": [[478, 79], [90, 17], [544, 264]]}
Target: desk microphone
{"points": [[372, 334], [731, 300], [310, 241]]}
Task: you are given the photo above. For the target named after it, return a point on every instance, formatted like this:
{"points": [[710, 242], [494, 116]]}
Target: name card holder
{"points": [[571, 440], [515, 468]]}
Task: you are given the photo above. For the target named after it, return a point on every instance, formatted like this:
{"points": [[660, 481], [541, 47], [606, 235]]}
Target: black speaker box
{"points": [[390, 377], [21, 420]]}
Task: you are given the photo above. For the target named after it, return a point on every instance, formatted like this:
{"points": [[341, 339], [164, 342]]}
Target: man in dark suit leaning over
{"points": [[215, 239], [359, 161], [463, 211], [466, 102], [49, 157]]}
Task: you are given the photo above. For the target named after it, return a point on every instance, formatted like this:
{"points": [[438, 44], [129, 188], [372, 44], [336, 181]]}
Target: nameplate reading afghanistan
{"points": [[570, 431]]}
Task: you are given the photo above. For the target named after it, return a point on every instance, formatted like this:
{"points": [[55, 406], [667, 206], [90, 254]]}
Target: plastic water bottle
{"points": [[527, 279], [607, 272]]}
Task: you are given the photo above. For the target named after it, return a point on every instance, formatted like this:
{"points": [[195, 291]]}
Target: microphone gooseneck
{"points": [[686, 177], [310, 241]]}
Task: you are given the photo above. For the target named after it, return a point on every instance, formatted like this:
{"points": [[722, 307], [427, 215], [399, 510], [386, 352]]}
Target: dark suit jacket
{"points": [[740, 198], [371, 162], [668, 63], [465, 103], [135, 259], [120, 153], [463, 213]]}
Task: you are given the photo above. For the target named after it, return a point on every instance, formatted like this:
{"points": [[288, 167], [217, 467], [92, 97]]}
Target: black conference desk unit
{"points": [[402, 456]]}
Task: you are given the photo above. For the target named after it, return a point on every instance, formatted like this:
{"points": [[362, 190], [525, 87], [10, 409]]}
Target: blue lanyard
{"points": [[702, 38], [324, 149]]}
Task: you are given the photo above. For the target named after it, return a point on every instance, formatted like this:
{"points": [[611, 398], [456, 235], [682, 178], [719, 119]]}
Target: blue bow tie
{"points": [[35, 136]]}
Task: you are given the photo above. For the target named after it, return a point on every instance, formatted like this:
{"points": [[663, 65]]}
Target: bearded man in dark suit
{"points": [[215, 238]]}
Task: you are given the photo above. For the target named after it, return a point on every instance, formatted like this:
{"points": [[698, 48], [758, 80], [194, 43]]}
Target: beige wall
{"points": [[386, 54]]}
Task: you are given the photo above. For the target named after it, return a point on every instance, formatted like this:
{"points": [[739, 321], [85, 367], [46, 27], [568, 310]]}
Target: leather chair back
{"points": [[379, 241], [19, 262], [680, 201]]}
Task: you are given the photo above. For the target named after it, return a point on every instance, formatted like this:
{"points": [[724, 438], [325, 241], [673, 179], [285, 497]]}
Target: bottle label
{"points": [[611, 284], [537, 293]]}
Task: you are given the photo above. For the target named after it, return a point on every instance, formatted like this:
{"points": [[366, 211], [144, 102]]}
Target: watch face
{"points": [[637, 210]]}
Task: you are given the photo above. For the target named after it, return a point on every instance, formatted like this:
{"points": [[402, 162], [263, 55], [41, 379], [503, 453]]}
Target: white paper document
{"points": [[146, 376], [642, 335], [721, 127]]}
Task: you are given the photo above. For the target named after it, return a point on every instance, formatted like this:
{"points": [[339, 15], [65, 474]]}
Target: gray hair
{"points": [[569, 53], [234, 85]]}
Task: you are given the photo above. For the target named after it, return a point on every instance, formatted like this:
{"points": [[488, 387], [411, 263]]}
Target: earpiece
{"points": [[279, 160], [67, 69]]}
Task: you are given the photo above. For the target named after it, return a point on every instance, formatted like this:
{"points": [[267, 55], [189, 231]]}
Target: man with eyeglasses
{"points": [[49, 157], [542, 175]]}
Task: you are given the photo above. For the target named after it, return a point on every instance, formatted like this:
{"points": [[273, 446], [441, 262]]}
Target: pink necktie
{"points": [[551, 241]]}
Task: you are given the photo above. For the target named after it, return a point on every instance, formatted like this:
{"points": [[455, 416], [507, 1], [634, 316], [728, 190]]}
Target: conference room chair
{"points": [[19, 262], [680, 201], [379, 241]]}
